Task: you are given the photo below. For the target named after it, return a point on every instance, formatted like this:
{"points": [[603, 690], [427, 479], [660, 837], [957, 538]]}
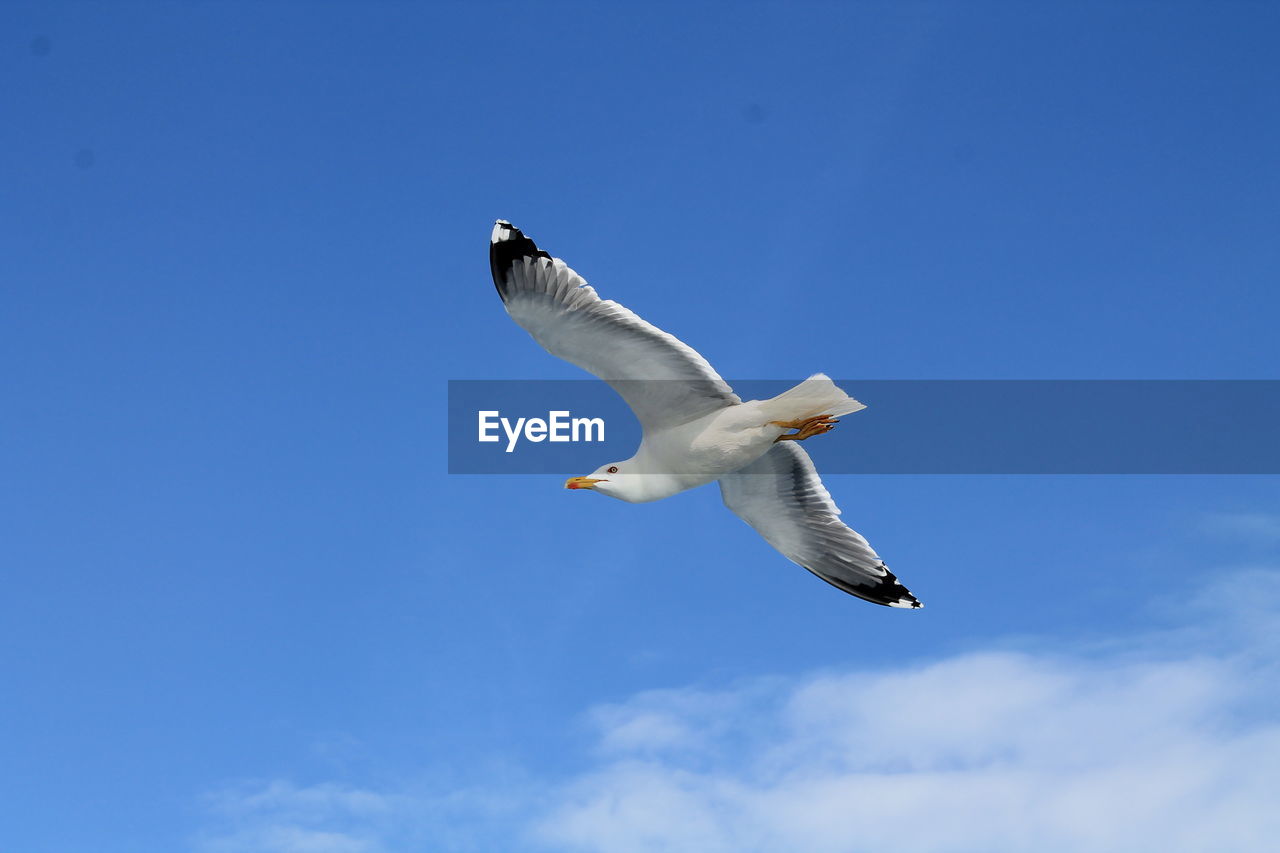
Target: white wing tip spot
{"points": [[500, 229]]}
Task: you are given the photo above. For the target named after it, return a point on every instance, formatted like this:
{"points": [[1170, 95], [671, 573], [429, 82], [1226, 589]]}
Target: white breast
{"points": [[712, 446]]}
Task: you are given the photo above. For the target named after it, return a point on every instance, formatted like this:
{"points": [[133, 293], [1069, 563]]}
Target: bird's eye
{"points": [[613, 469]]}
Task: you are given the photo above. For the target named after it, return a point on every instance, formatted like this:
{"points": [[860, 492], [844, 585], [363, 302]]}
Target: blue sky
{"points": [[244, 248]]}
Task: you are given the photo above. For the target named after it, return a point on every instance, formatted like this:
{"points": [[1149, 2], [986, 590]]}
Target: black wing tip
{"points": [[905, 599], [888, 591], [507, 245], [891, 593]]}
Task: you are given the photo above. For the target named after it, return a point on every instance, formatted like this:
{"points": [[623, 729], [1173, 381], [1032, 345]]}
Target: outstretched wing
{"points": [[782, 497], [664, 381]]}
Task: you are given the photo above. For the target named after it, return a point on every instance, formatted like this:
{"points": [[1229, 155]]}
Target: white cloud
{"points": [[301, 803], [988, 752], [1153, 744], [293, 839], [1169, 742], [279, 817]]}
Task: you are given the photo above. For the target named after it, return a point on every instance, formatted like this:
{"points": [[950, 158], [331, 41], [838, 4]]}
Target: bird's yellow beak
{"points": [[580, 483]]}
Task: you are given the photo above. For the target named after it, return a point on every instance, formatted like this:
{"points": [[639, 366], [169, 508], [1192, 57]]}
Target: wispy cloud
{"points": [[1166, 741], [988, 752], [279, 817], [1162, 742], [289, 838]]}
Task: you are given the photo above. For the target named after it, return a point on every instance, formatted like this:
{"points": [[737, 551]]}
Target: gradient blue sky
{"points": [[243, 247]]}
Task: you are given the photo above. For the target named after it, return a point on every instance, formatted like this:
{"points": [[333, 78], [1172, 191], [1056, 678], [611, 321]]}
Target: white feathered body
{"points": [[717, 444]]}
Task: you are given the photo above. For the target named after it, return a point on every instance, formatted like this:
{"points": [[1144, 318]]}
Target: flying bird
{"points": [[695, 429]]}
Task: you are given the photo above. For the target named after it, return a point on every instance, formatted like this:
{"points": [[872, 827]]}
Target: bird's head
{"points": [[613, 480]]}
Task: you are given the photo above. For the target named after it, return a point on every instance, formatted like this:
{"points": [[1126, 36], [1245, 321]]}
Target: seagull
{"points": [[695, 429]]}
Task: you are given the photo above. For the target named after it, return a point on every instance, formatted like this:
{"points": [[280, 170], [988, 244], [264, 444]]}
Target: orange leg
{"points": [[807, 428]]}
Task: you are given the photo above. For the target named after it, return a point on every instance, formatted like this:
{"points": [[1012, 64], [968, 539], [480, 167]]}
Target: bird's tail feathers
{"points": [[817, 395]]}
